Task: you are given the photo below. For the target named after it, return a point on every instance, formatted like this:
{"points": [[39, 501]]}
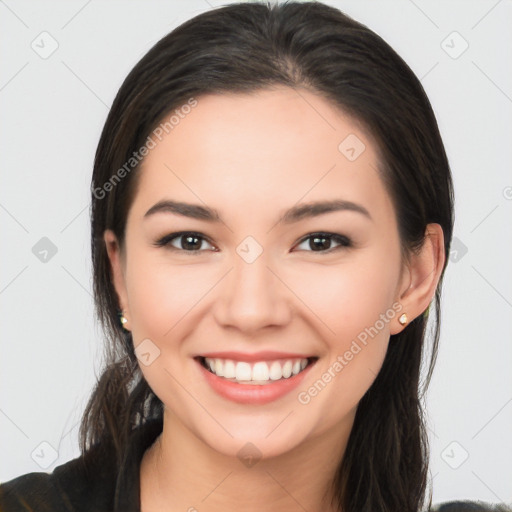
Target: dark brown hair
{"points": [[242, 48]]}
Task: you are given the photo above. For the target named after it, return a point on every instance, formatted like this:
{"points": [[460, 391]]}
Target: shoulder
{"points": [[470, 506], [27, 492], [93, 482], [78, 485]]}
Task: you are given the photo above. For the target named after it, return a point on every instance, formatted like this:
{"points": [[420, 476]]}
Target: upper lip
{"points": [[267, 355]]}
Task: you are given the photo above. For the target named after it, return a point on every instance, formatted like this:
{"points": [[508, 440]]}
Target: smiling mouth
{"points": [[258, 372]]}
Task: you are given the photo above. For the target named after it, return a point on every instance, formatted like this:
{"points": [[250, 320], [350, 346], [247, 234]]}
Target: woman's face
{"points": [[258, 285]]}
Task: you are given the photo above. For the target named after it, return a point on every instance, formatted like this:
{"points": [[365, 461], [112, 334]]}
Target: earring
{"points": [[123, 319], [403, 319]]}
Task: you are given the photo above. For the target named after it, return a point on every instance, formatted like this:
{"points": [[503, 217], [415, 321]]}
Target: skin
{"points": [[251, 157]]}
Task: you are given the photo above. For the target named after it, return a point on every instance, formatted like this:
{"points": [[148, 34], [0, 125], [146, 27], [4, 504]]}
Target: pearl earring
{"points": [[403, 319], [123, 319]]}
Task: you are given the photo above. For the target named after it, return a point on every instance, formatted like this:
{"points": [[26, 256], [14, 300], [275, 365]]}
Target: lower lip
{"points": [[253, 393]]}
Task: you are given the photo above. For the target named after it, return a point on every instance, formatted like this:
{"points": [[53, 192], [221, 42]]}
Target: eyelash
{"points": [[344, 241]]}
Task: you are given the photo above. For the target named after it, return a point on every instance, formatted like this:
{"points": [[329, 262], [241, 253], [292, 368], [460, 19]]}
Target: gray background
{"points": [[52, 110]]}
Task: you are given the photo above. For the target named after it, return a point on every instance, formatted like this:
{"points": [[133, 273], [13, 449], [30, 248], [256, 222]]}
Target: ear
{"points": [[117, 261], [421, 276]]}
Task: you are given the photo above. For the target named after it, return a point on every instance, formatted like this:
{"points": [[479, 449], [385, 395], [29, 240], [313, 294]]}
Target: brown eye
{"points": [[323, 242], [185, 241]]}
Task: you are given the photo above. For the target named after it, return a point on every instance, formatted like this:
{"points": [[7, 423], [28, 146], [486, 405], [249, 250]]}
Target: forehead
{"points": [[253, 152]]}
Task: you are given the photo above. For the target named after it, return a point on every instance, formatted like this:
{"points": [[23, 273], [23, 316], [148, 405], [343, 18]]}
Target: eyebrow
{"points": [[294, 214]]}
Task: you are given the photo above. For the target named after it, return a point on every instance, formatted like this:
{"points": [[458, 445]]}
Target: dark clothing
{"points": [[99, 486]]}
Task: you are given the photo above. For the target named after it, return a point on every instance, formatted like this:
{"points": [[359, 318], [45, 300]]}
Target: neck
{"points": [[179, 472]]}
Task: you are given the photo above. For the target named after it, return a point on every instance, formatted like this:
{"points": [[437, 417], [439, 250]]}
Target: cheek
{"points": [[356, 347], [353, 307], [161, 295], [350, 297], [164, 300]]}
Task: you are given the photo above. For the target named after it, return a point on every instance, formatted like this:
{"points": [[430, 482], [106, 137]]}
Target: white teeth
{"points": [[218, 368], [287, 369], [259, 372], [229, 370], [275, 371], [243, 371]]}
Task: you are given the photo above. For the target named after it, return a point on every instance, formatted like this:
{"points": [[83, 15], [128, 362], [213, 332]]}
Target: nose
{"points": [[252, 297]]}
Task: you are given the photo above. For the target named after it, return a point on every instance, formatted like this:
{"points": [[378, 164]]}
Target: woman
{"points": [[272, 211]]}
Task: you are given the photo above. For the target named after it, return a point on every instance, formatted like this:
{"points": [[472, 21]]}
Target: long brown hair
{"points": [[247, 47]]}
